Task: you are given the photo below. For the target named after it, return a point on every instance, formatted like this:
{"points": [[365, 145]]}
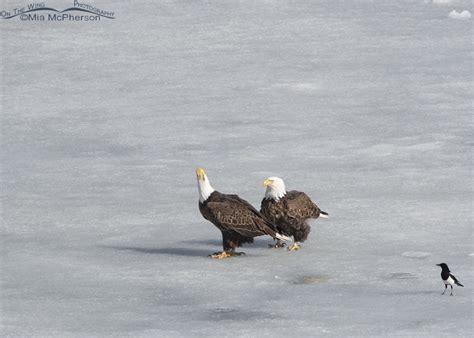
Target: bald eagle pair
{"points": [[282, 214]]}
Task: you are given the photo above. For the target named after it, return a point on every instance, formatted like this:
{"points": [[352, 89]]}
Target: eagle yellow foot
{"points": [[225, 254], [294, 247]]}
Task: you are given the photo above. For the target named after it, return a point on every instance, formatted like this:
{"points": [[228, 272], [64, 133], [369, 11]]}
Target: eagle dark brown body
{"points": [[290, 214], [237, 219]]}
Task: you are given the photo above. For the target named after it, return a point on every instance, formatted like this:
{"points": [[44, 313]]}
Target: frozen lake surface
{"points": [[366, 106]]}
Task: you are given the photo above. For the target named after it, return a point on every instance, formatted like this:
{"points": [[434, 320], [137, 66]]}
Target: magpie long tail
{"points": [[457, 283]]}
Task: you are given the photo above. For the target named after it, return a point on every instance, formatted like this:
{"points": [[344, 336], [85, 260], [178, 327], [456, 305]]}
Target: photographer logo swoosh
{"points": [[39, 11]]}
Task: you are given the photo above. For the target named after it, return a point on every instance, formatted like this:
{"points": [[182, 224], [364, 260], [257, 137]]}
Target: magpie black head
{"points": [[443, 266]]}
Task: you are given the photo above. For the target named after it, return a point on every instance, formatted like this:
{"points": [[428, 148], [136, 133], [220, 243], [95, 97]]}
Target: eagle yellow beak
{"points": [[200, 174], [267, 182]]}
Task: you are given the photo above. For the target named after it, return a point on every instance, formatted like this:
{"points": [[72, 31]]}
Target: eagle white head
{"points": [[275, 188], [204, 187]]}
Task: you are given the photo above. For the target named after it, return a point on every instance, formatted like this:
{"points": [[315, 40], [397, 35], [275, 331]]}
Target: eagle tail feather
{"points": [[282, 237]]}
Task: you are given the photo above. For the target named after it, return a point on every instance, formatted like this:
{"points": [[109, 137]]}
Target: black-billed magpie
{"points": [[448, 278]]}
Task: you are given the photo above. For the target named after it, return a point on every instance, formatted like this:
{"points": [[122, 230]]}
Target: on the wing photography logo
{"points": [[39, 11]]}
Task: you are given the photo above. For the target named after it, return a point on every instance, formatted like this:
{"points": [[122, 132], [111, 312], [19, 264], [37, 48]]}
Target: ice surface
{"points": [[416, 254], [365, 105]]}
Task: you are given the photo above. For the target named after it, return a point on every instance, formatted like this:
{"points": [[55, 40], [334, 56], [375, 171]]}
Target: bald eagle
{"points": [[237, 219], [289, 211]]}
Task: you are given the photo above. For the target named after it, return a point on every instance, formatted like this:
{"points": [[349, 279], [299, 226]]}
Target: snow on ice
{"points": [[460, 15]]}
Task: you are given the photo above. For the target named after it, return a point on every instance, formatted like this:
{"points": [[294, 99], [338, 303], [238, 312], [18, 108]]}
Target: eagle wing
{"points": [[244, 202], [236, 214], [300, 206]]}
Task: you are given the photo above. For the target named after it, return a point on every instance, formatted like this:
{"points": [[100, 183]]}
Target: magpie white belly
{"points": [[449, 281]]}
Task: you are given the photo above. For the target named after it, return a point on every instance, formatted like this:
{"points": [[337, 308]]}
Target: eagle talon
{"points": [[220, 255], [225, 254], [294, 247]]}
